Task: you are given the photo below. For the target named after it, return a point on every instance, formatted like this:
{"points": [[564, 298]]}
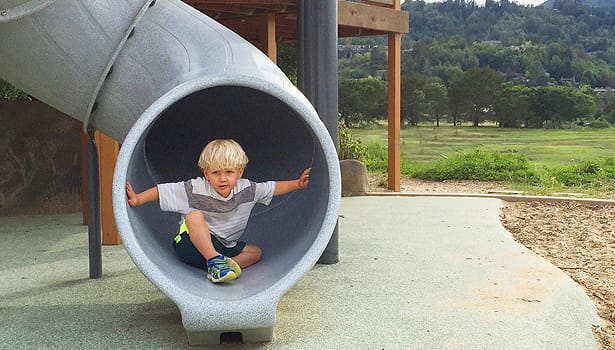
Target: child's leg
{"points": [[249, 256], [200, 235]]}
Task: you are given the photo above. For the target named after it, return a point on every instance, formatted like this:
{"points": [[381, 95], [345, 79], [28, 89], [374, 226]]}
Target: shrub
{"points": [[608, 167], [586, 173], [11, 93], [600, 123], [349, 147], [481, 165], [377, 159]]}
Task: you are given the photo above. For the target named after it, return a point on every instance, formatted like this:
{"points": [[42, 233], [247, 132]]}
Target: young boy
{"points": [[215, 209]]}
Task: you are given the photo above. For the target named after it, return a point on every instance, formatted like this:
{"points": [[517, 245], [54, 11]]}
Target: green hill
{"points": [[589, 3], [571, 43]]}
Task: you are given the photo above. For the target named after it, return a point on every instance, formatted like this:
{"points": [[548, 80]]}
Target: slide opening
{"points": [[279, 144]]}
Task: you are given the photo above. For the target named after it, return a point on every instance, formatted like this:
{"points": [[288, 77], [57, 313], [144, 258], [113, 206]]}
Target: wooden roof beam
{"points": [[231, 11], [383, 3], [234, 10], [383, 19]]}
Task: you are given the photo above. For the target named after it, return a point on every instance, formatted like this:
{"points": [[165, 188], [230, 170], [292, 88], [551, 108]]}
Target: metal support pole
{"points": [[94, 232], [317, 74]]}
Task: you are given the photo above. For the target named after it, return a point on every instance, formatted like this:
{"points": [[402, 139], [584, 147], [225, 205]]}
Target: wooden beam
{"points": [[108, 149], [387, 3], [359, 15], [267, 42], [238, 11], [232, 10], [394, 111], [364, 18], [249, 28]]}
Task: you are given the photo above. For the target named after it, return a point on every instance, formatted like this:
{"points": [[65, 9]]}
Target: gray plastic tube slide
{"points": [[164, 79]]}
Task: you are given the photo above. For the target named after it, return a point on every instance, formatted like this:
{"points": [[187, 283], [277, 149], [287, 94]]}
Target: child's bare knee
{"points": [[250, 255], [257, 253]]}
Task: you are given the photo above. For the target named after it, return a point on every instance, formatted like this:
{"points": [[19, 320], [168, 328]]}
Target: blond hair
{"points": [[223, 154]]}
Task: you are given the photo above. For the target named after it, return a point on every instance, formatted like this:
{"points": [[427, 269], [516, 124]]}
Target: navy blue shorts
{"points": [[187, 252]]}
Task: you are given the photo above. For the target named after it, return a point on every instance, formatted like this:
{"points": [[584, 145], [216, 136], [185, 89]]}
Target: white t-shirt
{"points": [[227, 218]]}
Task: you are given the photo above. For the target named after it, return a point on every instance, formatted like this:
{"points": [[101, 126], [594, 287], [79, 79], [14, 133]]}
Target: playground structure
{"points": [[164, 79]]}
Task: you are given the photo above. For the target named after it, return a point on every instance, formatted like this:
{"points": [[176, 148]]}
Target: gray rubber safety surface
{"points": [[414, 273]]}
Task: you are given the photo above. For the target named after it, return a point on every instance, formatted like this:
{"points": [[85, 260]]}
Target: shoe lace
{"points": [[218, 264]]}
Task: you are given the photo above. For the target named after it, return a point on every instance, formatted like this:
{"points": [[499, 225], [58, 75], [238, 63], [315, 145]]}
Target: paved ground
{"points": [[414, 273]]}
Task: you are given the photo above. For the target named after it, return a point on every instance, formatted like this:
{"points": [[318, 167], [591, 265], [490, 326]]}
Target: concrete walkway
{"points": [[414, 273]]}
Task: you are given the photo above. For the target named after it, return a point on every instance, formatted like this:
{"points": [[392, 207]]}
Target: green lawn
{"points": [[543, 147], [557, 157]]}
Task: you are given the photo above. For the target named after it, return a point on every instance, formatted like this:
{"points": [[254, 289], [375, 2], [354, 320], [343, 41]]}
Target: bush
{"points": [[482, 166], [11, 93], [377, 159], [608, 166], [600, 123], [374, 156], [349, 147], [589, 172]]}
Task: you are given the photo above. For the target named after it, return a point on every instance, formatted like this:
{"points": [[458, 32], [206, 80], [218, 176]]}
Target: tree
{"points": [[356, 67], [513, 107], [584, 103], [474, 94], [447, 73], [362, 100], [378, 59], [606, 106], [561, 104], [413, 106], [553, 104], [287, 59], [536, 74], [436, 100]]}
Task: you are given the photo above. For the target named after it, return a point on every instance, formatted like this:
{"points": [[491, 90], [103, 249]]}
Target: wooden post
{"points": [[108, 149], [266, 39], [394, 111]]}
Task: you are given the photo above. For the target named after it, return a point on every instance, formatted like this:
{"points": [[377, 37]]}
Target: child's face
{"points": [[223, 180]]}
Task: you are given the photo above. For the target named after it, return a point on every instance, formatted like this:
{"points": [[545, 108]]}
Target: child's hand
{"points": [[304, 179], [132, 196]]}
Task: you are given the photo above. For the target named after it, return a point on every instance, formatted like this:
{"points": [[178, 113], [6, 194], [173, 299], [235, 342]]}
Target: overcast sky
{"points": [[519, 2]]}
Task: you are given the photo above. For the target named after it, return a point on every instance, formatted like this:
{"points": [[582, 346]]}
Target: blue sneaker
{"points": [[219, 269]]}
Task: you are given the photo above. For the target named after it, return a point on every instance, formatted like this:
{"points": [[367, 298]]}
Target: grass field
{"points": [[543, 147], [557, 157]]}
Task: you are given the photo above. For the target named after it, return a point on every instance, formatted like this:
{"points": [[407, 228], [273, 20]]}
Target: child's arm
{"points": [[136, 199], [283, 187]]}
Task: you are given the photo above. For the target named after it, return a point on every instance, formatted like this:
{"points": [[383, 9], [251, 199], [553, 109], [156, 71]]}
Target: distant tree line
{"points": [[477, 96]]}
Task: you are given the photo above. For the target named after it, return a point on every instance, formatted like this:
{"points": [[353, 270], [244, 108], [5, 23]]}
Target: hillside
{"points": [[568, 43], [579, 23], [589, 3]]}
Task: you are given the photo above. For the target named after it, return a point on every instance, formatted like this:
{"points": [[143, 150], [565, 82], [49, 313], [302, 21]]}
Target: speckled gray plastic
{"points": [[164, 79]]}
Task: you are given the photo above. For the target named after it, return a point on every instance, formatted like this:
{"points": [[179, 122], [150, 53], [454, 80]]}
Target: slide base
{"points": [[250, 336]]}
